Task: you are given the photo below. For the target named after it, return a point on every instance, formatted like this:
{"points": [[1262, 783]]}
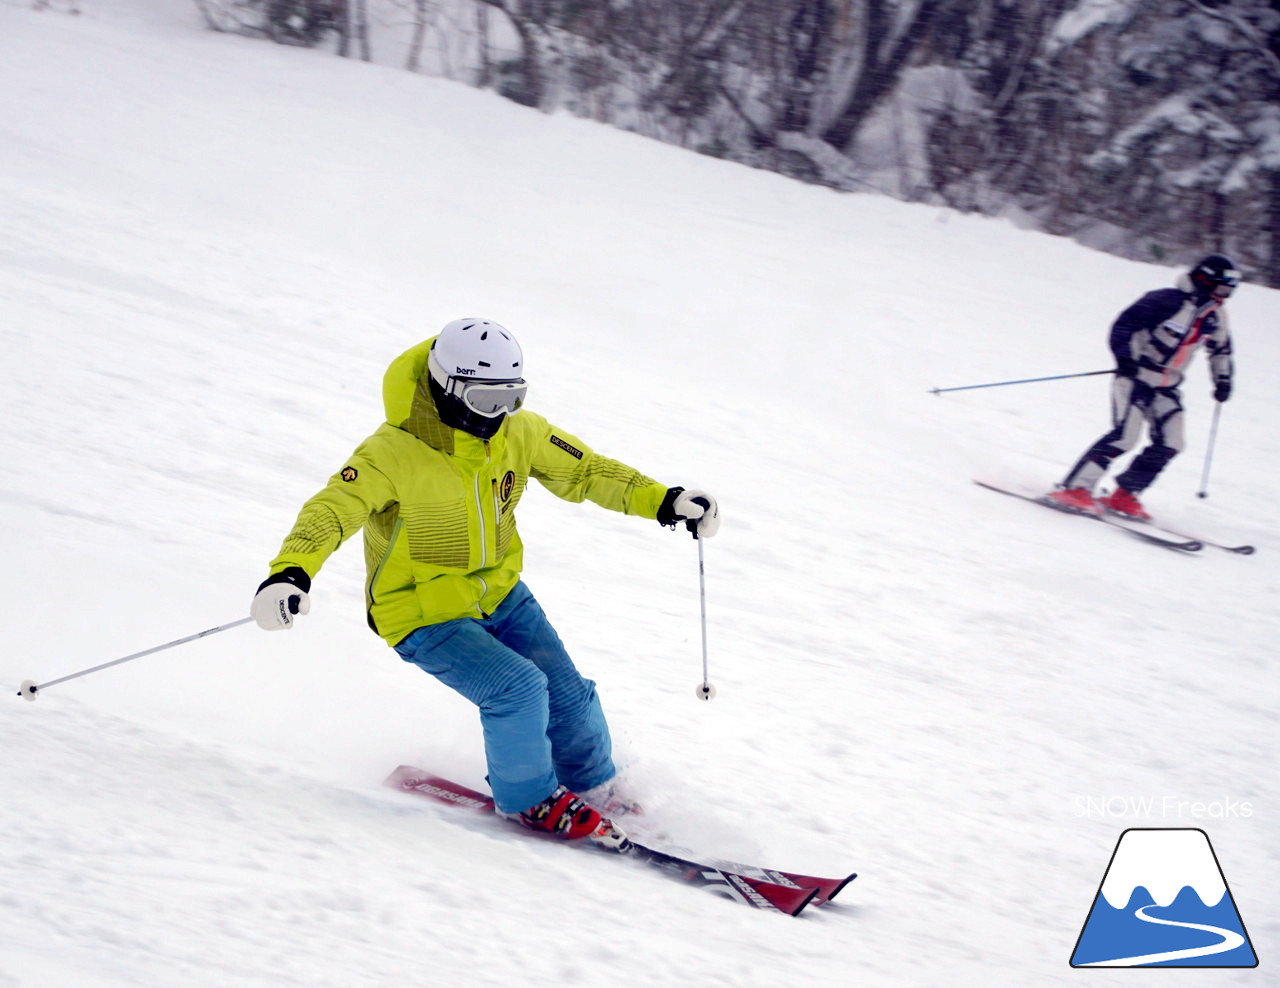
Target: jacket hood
{"points": [[401, 380], [406, 398], [408, 402]]}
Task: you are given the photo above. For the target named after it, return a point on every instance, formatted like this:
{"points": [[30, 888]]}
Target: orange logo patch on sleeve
{"points": [[349, 474]]}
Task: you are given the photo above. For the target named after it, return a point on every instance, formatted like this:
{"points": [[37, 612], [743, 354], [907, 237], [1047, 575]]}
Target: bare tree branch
{"points": [[1242, 27], [879, 72]]}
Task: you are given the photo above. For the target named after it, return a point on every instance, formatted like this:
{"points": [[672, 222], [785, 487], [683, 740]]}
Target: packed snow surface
{"points": [[212, 247]]}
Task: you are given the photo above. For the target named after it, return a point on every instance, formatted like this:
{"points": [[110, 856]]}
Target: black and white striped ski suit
{"points": [[1153, 342]]}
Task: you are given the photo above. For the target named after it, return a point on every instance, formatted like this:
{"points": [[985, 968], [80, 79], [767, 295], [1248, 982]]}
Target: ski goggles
{"points": [[489, 398], [1221, 284]]}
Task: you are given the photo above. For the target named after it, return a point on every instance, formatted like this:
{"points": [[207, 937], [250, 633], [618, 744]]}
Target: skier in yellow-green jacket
{"points": [[435, 489]]}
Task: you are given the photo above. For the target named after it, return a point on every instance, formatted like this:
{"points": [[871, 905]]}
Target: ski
{"points": [[1243, 550], [763, 888], [826, 889], [789, 898], [1175, 542]]}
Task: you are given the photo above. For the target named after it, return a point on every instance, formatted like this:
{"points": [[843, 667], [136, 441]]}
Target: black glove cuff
{"points": [[294, 575], [666, 510]]}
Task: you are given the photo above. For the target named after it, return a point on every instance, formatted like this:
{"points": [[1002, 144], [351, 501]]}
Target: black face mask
{"points": [[1204, 292], [455, 414]]}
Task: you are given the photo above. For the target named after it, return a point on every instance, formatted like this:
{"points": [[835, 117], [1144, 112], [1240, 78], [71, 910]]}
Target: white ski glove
{"points": [[697, 509], [279, 598]]}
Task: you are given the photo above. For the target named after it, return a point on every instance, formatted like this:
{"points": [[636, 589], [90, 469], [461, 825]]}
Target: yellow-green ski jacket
{"points": [[437, 505]]}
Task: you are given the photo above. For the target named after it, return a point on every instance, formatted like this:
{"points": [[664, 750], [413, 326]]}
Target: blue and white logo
{"points": [[1164, 902]]}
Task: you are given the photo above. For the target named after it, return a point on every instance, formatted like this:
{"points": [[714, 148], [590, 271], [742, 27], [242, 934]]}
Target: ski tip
{"points": [[400, 774], [799, 908], [837, 890], [1188, 545]]}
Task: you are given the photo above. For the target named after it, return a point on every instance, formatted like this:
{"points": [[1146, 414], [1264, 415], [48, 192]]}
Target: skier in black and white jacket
{"points": [[1153, 342]]}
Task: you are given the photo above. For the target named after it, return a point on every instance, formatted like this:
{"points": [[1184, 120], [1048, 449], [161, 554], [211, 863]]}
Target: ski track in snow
{"points": [[213, 248]]}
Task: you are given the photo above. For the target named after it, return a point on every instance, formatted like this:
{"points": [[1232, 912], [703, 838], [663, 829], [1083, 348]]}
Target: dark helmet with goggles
{"points": [[1214, 276]]}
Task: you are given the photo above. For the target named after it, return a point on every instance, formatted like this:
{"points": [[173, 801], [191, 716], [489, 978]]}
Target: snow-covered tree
{"points": [[1147, 127]]}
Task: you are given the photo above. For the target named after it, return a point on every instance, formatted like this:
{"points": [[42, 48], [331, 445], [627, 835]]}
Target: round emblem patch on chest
{"points": [[507, 485]]}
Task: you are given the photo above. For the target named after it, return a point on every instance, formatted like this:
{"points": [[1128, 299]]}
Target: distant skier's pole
{"points": [[1208, 453], [30, 689], [705, 690], [1025, 380]]}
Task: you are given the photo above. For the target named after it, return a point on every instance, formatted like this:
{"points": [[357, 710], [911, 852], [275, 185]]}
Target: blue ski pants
{"points": [[543, 723]]}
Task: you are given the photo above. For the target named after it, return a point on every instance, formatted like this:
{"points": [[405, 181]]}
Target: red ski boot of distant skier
{"points": [[1076, 499], [570, 816], [1123, 503]]}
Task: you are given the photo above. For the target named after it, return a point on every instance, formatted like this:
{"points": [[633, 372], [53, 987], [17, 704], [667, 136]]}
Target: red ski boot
{"points": [[1075, 499], [567, 815], [1124, 503]]}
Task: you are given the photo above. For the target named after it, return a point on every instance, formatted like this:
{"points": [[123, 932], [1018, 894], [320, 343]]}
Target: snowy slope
{"points": [[213, 246]]}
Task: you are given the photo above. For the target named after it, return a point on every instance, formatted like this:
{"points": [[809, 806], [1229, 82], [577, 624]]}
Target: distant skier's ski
{"points": [[763, 889], [1179, 543], [1243, 550]]}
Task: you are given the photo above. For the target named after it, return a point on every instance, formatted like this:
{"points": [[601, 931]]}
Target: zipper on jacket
{"points": [[484, 538], [484, 533]]}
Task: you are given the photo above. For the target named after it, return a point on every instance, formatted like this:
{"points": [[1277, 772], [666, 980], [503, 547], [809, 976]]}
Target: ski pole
{"points": [[705, 690], [1025, 380], [30, 689], [1208, 453]]}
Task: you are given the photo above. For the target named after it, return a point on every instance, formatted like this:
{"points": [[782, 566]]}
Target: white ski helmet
{"points": [[478, 367]]}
